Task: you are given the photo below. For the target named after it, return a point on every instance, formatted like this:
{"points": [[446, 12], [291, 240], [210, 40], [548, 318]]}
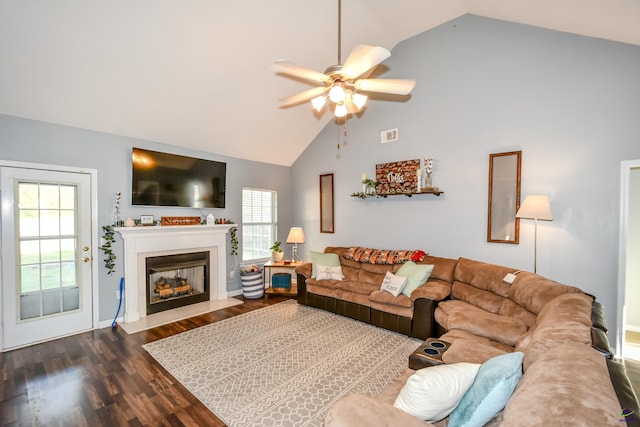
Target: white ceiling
{"points": [[198, 74]]}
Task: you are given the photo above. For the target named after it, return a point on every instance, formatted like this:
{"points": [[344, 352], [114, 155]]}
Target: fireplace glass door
{"points": [[176, 280]]}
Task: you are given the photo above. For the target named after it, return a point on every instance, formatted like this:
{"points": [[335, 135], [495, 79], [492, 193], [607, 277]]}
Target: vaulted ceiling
{"points": [[198, 74]]}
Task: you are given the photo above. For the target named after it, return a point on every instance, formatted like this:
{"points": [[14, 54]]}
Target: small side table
{"points": [[280, 265], [428, 354]]}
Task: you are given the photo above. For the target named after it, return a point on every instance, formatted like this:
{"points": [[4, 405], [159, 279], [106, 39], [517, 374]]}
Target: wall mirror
{"points": [[326, 203], [504, 197]]}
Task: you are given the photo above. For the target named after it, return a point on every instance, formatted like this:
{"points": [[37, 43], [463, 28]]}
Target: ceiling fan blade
{"points": [[362, 59], [302, 96], [287, 67], [393, 86]]}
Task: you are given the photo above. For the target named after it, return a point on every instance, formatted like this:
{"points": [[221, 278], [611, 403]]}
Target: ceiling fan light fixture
{"points": [[340, 111], [337, 93], [359, 100], [319, 102]]}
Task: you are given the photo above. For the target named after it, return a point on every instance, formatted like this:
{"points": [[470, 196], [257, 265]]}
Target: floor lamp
{"points": [[535, 207], [296, 235]]}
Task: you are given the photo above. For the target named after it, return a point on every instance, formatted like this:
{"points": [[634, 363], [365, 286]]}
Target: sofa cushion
{"points": [[533, 292], [466, 347], [352, 409], [491, 302], [358, 287], [493, 386], [318, 258], [567, 318], [578, 375], [483, 275], [416, 275], [431, 393], [456, 314]]}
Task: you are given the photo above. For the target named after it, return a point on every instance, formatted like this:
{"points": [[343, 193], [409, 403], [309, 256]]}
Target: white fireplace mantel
{"points": [[142, 242]]}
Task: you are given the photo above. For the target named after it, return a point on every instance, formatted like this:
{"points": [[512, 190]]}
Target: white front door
{"points": [[46, 254]]}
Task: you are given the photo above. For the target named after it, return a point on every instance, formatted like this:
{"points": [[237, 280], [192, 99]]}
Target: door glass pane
{"points": [[28, 194], [29, 223], [67, 197], [68, 270], [67, 222], [49, 222], [50, 276], [29, 278], [49, 196], [48, 249]]}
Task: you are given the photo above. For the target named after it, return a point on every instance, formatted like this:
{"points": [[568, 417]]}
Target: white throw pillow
{"points": [[432, 393], [326, 272], [393, 284]]}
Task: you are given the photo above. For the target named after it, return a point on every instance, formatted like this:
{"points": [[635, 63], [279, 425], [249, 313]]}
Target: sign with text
{"points": [[397, 177]]}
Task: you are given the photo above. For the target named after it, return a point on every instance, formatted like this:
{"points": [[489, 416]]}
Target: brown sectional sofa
{"points": [[359, 296], [570, 376]]}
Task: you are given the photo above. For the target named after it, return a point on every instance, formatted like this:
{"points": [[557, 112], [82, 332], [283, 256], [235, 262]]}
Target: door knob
{"points": [[86, 259], [85, 248]]}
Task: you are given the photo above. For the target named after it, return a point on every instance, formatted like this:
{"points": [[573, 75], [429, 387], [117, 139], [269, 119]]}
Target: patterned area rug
{"points": [[282, 365]]}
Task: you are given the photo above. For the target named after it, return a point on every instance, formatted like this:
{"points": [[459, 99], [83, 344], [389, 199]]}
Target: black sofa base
{"points": [[422, 325]]}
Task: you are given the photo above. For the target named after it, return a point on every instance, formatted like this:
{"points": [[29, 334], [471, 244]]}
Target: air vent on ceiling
{"points": [[388, 136]]}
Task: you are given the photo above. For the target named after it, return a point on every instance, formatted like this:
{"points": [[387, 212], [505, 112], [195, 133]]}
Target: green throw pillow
{"points": [[319, 258], [416, 275]]}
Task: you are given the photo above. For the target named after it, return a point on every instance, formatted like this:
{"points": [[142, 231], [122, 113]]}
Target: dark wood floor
{"points": [[105, 378]]}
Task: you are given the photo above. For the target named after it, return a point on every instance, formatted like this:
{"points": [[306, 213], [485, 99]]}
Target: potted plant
{"points": [[276, 252]]}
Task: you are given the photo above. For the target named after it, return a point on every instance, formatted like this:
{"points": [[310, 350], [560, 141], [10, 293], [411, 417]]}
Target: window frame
{"points": [[246, 224]]}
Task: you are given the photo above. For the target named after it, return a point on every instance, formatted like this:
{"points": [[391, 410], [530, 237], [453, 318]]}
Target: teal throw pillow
{"points": [[490, 391], [319, 258], [416, 275]]}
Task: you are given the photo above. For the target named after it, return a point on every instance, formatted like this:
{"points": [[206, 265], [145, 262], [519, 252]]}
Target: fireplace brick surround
{"points": [[143, 242]]}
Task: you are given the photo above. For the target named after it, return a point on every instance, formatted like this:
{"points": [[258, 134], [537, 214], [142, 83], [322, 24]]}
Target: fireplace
{"points": [[141, 243], [176, 280]]}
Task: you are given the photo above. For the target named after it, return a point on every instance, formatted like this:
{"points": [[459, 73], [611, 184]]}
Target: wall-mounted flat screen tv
{"points": [[163, 179]]}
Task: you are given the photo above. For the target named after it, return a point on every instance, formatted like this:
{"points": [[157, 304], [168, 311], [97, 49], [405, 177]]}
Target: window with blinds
{"points": [[259, 223]]}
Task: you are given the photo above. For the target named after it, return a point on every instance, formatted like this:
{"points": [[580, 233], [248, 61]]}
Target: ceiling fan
{"points": [[345, 85]]}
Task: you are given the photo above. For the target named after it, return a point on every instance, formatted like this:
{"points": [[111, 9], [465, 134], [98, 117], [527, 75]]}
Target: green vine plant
{"points": [[233, 232], [110, 257]]}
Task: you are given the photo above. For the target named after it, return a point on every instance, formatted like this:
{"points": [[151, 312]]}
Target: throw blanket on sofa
{"points": [[382, 256]]}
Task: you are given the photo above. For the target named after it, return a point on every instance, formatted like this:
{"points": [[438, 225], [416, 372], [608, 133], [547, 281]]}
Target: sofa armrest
{"points": [[354, 410], [435, 290], [304, 269]]}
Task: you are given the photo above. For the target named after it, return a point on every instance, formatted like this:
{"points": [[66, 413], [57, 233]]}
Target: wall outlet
{"points": [[232, 274], [117, 294]]}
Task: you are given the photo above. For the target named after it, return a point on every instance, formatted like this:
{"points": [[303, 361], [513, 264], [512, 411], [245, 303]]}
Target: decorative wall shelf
{"points": [[362, 195]]}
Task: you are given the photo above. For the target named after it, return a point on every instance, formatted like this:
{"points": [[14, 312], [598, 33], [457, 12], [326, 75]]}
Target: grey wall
{"points": [[30, 141], [570, 103]]}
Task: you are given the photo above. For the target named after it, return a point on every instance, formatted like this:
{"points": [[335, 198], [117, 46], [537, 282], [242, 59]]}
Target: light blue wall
{"points": [[31, 141], [570, 103]]}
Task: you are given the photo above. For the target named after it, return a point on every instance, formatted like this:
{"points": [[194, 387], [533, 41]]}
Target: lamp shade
{"points": [[296, 235], [535, 207]]}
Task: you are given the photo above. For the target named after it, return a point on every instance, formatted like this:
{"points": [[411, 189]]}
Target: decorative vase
{"points": [[277, 256]]}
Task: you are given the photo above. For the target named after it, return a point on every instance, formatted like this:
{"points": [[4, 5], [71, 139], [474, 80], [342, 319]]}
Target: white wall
{"points": [[632, 288], [570, 103]]}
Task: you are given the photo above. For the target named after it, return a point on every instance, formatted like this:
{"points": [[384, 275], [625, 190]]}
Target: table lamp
{"points": [[296, 235]]}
